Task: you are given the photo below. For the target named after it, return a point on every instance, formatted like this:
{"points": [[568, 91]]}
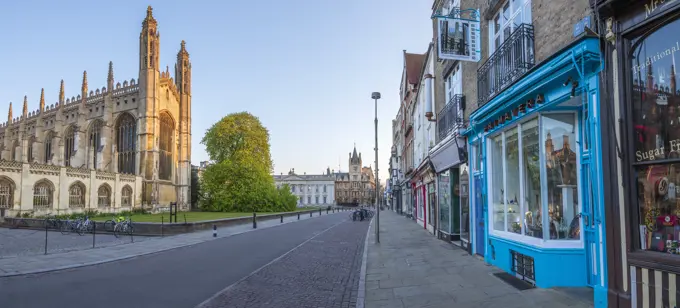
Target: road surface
{"points": [[311, 263]]}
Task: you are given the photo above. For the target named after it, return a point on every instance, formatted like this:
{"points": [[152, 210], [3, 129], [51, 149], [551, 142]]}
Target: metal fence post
{"points": [[254, 220], [214, 230], [94, 232], [45, 236], [162, 223], [281, 218], [298, 216]]}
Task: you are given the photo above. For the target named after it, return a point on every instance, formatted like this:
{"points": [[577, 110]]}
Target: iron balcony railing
{"points": [[451, 116], [508, 63]]}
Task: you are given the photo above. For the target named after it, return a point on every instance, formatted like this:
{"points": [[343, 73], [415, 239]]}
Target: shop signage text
{"points": [[658, 56], [660, 151], [652, 6]]}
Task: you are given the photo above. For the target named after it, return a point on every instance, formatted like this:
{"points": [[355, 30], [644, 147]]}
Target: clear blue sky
{"points": [[305, 68]]}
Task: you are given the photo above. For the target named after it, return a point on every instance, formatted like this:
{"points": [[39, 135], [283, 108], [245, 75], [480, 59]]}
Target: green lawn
{"points": [[190, 216]]}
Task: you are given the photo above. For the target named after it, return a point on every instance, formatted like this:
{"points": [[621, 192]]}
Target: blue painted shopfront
{"points": [[535, 148]]}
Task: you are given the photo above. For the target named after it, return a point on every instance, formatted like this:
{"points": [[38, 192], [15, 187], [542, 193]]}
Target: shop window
{"points": [[532, 178], [431, 199], [533, 185], [655, 104], [444, 201]]}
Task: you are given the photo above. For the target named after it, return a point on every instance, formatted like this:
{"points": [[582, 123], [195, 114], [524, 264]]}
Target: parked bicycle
{"points": [[79, 225], [52, 222], [119, 226], [123, 226], [361, 214]]}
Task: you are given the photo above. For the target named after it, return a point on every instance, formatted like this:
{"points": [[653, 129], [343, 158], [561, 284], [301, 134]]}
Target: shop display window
{"points": [[533, 185], [655, 103], [444, 201]]}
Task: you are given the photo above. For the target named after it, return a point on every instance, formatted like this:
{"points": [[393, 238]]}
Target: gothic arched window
{"points": [[104, 196], [42, 195], [126, 143], [166, 146], [48, 147], [6, 193], [76, 195], [31, 141], [13, 151], [69, 145], [94, 143], [126, 196]]}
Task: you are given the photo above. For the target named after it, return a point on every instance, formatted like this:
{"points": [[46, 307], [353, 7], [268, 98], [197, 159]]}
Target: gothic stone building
{"points": [[108, 149], [356, 187]]}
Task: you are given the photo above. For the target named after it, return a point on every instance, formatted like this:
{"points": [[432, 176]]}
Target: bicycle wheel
{"points": [[108, 225], [116, 229], [65, 227], [130, 229], [80, 228]]}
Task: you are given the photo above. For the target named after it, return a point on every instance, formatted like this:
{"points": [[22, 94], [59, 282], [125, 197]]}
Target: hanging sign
{"points": [[459, 35]]}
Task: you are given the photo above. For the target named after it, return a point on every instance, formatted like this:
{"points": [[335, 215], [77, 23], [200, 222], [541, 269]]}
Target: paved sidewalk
{"points": [[411, 268], [22, 265]]}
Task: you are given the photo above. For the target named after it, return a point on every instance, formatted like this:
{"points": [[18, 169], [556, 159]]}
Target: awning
{"points": [[450, 154]]}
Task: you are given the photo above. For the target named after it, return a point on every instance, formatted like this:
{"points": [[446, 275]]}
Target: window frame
{"points": [[545, 241], [504, 24], [629, 164]]}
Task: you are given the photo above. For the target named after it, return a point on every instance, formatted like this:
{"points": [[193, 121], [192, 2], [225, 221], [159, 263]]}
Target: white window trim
{"points": [[541, 243], [494, 33]]}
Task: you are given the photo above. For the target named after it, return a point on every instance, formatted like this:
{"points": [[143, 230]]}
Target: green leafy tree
{"points": [[239, 180]]}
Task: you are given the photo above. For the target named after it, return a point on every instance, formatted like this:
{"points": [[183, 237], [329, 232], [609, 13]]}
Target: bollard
{"points": [[94, 232], [326, 211], [310, 213], [281, 218], [162, 222], [319, 212], [298, 216], [45, 237], [132, 238], [185, 219], [254, 220], [214, 230]]}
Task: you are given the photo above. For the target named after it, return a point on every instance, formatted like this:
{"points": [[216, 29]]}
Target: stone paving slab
{"points": [[411, 268], [31, 264]]}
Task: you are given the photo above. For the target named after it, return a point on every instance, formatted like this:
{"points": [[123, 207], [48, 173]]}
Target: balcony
{"points": [[450, 117], [510, 61]]}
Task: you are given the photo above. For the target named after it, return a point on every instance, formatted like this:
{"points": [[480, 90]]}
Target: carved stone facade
{"points": [[131, 139], [356, 186]]}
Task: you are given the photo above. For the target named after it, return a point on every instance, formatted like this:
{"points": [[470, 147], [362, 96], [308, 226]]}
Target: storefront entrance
{"points": [[479, 216]]}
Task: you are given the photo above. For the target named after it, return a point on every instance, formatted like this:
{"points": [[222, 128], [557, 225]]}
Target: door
{"points": [[590, 223], [479, 217]]}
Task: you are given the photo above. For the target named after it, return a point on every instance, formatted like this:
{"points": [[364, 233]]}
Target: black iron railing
{"points": [[508, 63], [451, 116]]}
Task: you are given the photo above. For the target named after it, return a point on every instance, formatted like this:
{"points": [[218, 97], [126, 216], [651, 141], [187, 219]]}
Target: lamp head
{"points": [[375, 95]]}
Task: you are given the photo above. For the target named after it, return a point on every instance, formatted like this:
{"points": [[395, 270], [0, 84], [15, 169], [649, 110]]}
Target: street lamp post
{"points": [[376, 96]]}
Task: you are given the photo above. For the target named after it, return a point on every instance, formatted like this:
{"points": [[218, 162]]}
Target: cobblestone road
{"points": [[20, 242], [323, 272]]}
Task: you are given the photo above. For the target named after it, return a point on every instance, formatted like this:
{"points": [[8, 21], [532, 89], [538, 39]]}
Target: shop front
{"points": [[447, 158], [642, 47], [425, 193], [537, 174]]}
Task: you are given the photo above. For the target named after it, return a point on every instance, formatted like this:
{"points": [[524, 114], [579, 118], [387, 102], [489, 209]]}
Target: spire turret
{"points": [[83, 88], [9, 114], [24, 112], [183, 69], [149, 46], [61, 93], [109, 79], [42, 100]]}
